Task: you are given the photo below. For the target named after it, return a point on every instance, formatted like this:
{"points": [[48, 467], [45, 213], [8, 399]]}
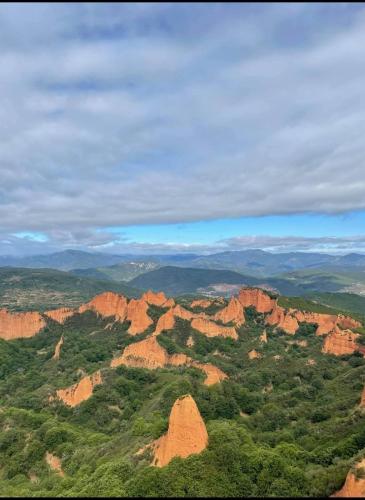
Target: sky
{"points": [[166, 128]]}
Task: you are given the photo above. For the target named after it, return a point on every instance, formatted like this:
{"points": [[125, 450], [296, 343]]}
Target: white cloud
{"points": [[118, 115]]}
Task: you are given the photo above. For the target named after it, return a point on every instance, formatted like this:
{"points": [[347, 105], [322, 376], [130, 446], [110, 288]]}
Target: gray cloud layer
{"points": [[135, 114]]}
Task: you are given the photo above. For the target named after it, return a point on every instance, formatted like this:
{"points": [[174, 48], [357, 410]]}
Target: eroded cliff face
{"points": [[144, 354], [289, 319], [263, 337], [340, 342], [254, 354], [353, 487], [211, 329], [214, 375], [186, 434], [20, 324], [57, 350], [283, 319], [203, 303], [148, 353], [137, 315], [157, 299], [165, 322], [54, 463], [81, 391], [257, 298], [107, 304], [181, 312], [60, 315], [232, 312]]}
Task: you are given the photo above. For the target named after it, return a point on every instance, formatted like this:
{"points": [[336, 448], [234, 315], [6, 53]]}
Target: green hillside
{"points": [[176, 280], [42, 289], [125, 271], [271, 424]]}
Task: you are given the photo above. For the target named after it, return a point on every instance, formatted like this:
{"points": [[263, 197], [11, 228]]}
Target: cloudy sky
{"points": [[190, 127]]}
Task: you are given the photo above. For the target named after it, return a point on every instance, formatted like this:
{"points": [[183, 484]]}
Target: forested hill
{"points": [[168, 397]]}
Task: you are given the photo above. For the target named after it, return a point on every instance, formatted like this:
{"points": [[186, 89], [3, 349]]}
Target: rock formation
{"points": [[144, 354], [60, 315], [190, 342], [232, 312], [257, 298], [283, 319], [181, 312], [340, 342], [211, 329], [165, 322], [57, 350], [254, 354], [213, 373], [203, 303], [20, 324], [148, 353], [157, 299], [81, 391], [186, 434], [289, 319], [54, 463], [107, 304], [263, 337], [353, 487], [137, 315]]}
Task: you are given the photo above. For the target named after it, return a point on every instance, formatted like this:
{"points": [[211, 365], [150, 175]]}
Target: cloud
{"points": [[115, 115]]}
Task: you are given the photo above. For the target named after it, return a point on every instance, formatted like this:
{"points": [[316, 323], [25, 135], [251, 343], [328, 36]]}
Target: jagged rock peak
{"points": [[186, 435]]}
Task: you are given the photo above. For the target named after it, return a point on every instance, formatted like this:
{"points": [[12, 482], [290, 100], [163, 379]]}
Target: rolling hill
{"points": [[125, 271], [43, 289]]}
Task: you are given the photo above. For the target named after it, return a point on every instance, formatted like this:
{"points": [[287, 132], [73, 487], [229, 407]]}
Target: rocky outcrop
{"points": [[81, 391], [283, 319], [107, 304], [232, 312], [346, 322], [353, 487], [137, 315], [144, 354], [340, 342], [211, 329], [148, 353], [165, 322], [289, 319], [214, 375], [190, 342], [54, 463], [60, 315], [257, 298], [157, 299], [182, 313], [263, 337], [203, 303], [57, 350], [254, 354], [20, 324], [186, 435]]}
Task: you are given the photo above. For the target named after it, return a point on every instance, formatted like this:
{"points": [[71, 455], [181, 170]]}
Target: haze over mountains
{"points": [[252, 262]]}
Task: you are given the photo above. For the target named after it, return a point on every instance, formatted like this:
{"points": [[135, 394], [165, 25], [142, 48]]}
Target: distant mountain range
{"points": [[256, 263]]}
